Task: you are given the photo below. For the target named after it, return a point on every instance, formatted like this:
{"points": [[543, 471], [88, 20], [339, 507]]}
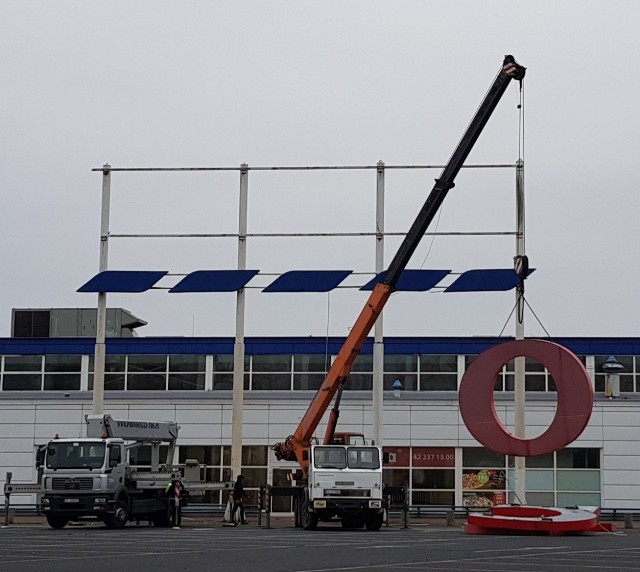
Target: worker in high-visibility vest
{"points": [[175, 494]]}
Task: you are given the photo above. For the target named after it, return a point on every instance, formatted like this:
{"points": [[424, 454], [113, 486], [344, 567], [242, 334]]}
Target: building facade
{"points": [[45, 389]]}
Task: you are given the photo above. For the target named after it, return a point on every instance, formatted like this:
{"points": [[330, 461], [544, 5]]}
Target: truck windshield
{"points": [[75, 455], [330, 458], [363, 458]]}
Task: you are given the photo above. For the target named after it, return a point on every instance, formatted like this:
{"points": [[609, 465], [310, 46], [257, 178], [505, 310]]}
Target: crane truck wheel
{"points": [[308, 519], [120, 517], [57, 521], [373, 520]]}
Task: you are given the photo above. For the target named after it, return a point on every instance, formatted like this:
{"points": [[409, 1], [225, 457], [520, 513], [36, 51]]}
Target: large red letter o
{"points": [[575, 398]]}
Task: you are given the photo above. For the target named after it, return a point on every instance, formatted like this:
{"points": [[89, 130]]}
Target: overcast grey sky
{"points": [[156, 83]]}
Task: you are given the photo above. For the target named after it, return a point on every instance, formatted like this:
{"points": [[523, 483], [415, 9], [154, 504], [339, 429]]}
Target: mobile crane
{"points": [[350, 488], [91, 477]]}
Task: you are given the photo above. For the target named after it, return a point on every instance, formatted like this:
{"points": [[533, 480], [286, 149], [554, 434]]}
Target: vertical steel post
{"points": [[101, 320], [238, 348], [378, 336], [519, 380]]}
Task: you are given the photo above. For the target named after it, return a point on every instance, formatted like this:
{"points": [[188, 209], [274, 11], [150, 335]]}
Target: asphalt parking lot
{"points": [[35, 547]]}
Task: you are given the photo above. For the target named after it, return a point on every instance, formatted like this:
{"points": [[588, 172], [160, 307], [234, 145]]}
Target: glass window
{"points": [[307, 381], [481, 457], [62, 363], [433, 479], [23, 363], [254, 477], [271, 381], [359, 382], [147, 363], [146, 382], [439, 363], [186, 363], [532, 365], [438, 382], [112, 362], [22, 382], [538, 480], [186, 381], [363, 458], [225, 362], [578, 499], [395, 477], [62, 382], [223, 381], [578, 458], [534, 382], [330, 457], [204, 455], [536, 498], [538, 462], [311, 362], [113, 382], [398, 363], [409, 381], [364, 362], [268, 363], [579, 480], [253, 455]]}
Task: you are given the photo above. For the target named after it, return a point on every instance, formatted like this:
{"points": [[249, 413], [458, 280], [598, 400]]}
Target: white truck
{"points": [[91, 478], [344, 483]]}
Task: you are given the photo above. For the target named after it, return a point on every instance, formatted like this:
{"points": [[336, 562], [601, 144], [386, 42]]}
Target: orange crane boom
{"points": [[296, 446]]}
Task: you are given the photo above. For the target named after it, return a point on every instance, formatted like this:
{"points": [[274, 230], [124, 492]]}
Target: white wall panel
{"points": [[15, 430], [18, 446], [626, 477], [623, 448], [200, 430], [61, 414], [621, 462], [17, 414], [616, 495]]}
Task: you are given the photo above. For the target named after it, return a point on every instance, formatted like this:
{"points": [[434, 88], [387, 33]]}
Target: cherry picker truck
{"points": [[91, 478], [341, 480]]}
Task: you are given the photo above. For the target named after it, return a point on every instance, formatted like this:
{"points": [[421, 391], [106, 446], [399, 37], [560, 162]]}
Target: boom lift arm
{"points": [[296, 446]]}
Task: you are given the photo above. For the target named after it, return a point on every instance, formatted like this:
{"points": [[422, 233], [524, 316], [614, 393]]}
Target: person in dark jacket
{"points": [[238, 500]]}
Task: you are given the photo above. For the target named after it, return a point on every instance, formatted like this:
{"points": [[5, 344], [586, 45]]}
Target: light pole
{"points": [[612, 367]]}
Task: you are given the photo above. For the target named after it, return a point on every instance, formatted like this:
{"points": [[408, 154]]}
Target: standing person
{"points": [[176, 498], [238, 495]]}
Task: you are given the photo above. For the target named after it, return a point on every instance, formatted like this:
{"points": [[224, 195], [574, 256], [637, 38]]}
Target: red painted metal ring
{"points": [[574, 394]]}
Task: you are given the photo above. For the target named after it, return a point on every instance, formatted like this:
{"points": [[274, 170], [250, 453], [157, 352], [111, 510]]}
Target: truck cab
{"points": [[345, 483], [84, 478]]}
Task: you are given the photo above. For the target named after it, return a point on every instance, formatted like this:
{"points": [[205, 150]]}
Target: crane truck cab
{"points": [[345, 483], [85, 478], [91, 477]]}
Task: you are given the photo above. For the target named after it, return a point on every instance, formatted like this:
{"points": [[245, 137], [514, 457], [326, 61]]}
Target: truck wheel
{"points": [[296, 512], [308, 520], [119, 518], [57, 520], [373, 520]]}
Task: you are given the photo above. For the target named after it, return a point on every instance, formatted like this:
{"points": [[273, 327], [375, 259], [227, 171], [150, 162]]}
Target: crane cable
{"points": [[521, 262]]}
